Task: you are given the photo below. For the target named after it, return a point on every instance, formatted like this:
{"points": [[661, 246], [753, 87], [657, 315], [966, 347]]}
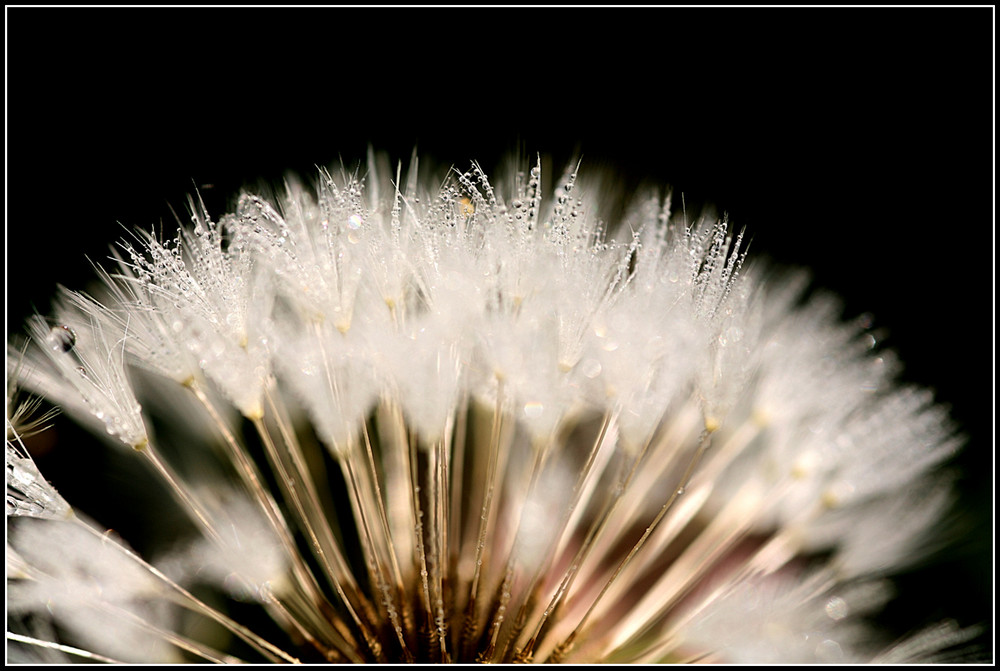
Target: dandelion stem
{"points": [[526, 652], [343, 648], [418, 514], [529, 604], [361, 516], [251, 478], [508, 579], [292, 483], [726, 528], [470, 626], [438, 478], [69, 650], [308, 486], [375, 567], [397, 611], [191, 504], [337, 639], [703, 445]]}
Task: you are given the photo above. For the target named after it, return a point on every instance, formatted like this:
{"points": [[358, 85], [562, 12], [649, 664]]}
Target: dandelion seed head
{"points": [[467, 420]]}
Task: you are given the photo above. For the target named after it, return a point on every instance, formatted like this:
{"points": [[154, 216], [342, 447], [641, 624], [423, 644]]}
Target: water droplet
{"points": [[354, 222], [533, 409], [829, 651], [61, 338], [591, 368], [732, 334], [866, 320], [22, 475], [836, 608]]}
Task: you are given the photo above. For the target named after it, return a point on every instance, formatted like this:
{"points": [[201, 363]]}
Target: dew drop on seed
{"points": [[533, 409], [829, 651], [61, 338], [836, 608], [733, 334], [21, 475]]}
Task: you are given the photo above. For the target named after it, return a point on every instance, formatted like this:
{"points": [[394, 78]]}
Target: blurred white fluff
{"points": [[105, 600], [785, 618], [249, 562]]}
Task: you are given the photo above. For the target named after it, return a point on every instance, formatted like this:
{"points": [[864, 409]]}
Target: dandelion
{"points": [[463, 421]]}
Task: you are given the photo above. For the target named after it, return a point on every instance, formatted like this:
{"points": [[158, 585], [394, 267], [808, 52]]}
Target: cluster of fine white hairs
{"points": [[465, 420]]}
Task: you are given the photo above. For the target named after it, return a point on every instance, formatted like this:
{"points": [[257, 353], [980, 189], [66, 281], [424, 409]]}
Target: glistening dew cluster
{"points": [[447, 418]]}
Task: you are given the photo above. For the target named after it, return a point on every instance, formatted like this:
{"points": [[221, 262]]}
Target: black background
{"points": [[857, 143]]}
